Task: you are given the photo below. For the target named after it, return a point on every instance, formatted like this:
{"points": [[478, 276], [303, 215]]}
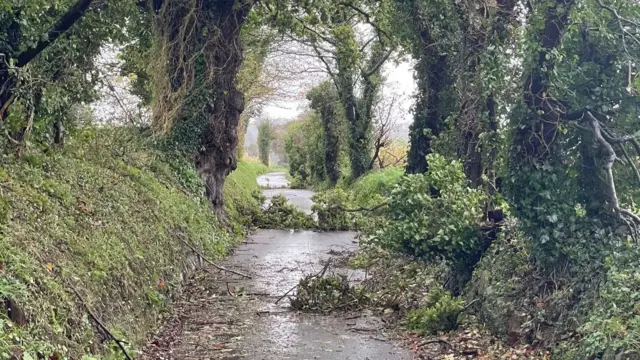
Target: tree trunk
{"points": [[331, 142], [219, 140], [431, 71], [534, 140]]}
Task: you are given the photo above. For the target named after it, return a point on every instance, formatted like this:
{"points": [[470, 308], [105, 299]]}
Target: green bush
{"points": [[613, 325], [433, 215], [440, 313]]}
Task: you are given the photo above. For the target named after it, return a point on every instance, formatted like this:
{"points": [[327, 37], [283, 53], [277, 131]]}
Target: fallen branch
{"points": [[319, 274], [436, 341], [211, 262], [469, 304], [100, 324]]}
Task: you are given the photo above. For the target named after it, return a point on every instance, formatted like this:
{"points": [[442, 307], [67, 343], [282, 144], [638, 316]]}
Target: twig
{"points": [[436, 341], [287, 293], [5, 106], [211, 262], [229, 291], [469, 304], [99, 323]]}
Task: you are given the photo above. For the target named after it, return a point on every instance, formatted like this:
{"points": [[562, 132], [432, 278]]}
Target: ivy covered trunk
{"points": [[431, 76], [331, 143], [197, 99], [359, 127], [542, 191], [219, 140]]}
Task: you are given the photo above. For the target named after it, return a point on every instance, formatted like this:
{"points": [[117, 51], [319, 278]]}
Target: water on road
{"points": [[236, 318]]}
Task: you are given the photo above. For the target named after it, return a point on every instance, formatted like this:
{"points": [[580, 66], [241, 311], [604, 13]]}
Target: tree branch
{"points": [[367, 17], [99, 323], [608, 167], [377, 66], [65, 23]]}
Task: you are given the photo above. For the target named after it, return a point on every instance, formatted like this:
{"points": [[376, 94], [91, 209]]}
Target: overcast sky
{"points": [[399, 82]]}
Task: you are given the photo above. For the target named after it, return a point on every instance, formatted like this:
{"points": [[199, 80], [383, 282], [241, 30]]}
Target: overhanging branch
{"points": [[65, 23]]}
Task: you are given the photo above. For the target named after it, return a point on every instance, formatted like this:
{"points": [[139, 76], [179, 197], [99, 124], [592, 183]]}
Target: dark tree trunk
{"points": [[219, 141], [431, 70], [331, 142], [358, 141], [534, 140]]}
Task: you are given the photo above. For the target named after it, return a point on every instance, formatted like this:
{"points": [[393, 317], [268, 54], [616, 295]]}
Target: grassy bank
{"points": [[110, 223]]}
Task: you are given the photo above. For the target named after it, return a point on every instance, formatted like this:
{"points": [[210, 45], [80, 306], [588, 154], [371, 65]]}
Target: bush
{"points": [[613, 325], [440, 313], [433, 215], [375, 187]]}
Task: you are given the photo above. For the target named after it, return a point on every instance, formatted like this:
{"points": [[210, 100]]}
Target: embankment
{"points": [[102, 226]]}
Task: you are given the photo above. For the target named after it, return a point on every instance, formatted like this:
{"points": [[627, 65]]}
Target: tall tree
{"points": [[324, 100], [197, 99], [265, 135], [46, 53], [352, 58], [585, 118], [429, 34], [482, 27]]}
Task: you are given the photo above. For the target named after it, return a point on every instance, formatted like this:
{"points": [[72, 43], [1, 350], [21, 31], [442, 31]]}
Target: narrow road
{"points": [[227, 317]]}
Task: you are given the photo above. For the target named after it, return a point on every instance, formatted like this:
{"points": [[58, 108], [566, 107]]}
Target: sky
{"points": [[399, 82]]}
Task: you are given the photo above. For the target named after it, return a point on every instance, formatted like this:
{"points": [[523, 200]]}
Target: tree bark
{"points": [[534, 141], [331, 142], [431, 70], [219, 141]]}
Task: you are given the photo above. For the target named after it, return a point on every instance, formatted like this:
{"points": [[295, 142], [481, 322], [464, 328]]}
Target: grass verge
{"points": [[107, 216]]}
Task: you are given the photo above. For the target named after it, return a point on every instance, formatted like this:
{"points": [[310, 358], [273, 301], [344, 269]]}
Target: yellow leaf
{"points": [[50, 266]]}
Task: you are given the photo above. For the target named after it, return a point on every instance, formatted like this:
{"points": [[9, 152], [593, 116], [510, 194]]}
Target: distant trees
{"points": [[265, 135]]}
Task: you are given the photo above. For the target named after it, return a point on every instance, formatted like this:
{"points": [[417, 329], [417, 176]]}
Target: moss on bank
{"points": [[109, 222]]}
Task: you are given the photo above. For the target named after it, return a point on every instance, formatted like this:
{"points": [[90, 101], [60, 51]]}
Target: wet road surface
{"points": [[277, 183], [237, 318]]}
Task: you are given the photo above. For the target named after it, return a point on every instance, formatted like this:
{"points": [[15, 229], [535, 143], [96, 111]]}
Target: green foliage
{"points": [[324, 101], [65, 73], [326, 293], [613, 325], [279, 214], [375, 187], [112, 224], [433, 215], [440, 313], [330, 206], [305, 150]]}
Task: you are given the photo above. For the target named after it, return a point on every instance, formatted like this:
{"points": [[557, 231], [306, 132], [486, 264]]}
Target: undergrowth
{"points": [[109, 216]]}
